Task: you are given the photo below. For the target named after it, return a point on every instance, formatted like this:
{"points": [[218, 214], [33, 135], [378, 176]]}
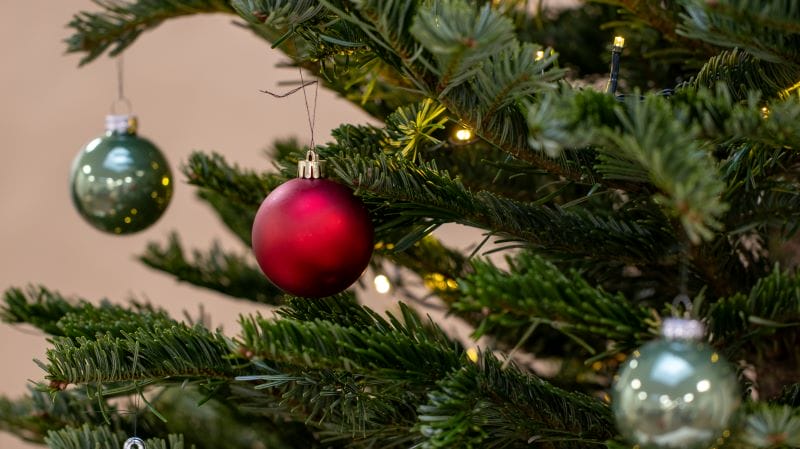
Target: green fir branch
{"points": [[400, 349], [33, 415], [461, 40], [742, 73], [641, 141], [214, 173], [487, 405], [534, 291], [162, 354], [278, 13], [232, 274], [769, 31], [411, 129], [120, 23], [101, 437], [73, 318], [421, 190]]}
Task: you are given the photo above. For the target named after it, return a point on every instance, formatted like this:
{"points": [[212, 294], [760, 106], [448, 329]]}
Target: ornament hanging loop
{"points": [[312, 167], [134, 443], [121, 105]]}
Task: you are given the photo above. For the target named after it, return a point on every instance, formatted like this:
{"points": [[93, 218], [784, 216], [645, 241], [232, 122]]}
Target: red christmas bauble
{"points": [[312, 237]]}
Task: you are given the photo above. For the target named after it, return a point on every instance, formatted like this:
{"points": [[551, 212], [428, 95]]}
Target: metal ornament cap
{"points": [[121, 124], [134, 443], [312, 167], [682, 329]]}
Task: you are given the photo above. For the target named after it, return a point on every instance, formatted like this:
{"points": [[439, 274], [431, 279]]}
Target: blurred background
{"points": [[194, 84]]}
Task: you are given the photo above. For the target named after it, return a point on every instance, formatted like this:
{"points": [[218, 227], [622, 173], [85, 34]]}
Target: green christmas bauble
{"points": [[121, 183], [675, 393]]}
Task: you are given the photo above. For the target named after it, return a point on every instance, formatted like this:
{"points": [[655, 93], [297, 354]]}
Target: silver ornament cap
{"points": [[121, 123], [682, 329], [312, 167]]}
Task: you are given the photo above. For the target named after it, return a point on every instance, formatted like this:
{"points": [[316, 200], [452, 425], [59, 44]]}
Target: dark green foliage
{"points": [[486, 405], [61, 317], [401, 350], [32, 416], [165, 353], [768, 30], [742, 73], [534, 292], [232, 274], [121, 23], [87, 437], [423, 191]]}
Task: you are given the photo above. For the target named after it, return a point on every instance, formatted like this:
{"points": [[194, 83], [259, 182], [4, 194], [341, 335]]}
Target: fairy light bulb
{"points": [[472, 354], [382, 284], [619, 41], [463, 134], [539, 55]]}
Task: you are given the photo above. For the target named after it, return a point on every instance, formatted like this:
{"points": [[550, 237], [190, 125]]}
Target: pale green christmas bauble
{"points": [[121, 183], [675, 393]]}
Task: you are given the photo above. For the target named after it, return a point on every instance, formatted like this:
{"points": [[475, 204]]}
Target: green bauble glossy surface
{"points": [[121, 183], [675, 394]]}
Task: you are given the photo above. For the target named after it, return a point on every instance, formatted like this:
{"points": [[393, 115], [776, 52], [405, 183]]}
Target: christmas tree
{"points": [[622, 183]]}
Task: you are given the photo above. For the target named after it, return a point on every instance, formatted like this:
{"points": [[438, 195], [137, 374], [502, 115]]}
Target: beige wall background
{"points": [[194, 85]]}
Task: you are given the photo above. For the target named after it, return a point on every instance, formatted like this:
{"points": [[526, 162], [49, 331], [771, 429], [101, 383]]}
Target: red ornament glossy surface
{"points": [[312, 237]]}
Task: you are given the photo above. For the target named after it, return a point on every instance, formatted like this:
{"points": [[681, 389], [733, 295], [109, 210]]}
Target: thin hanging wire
{"points": [[121, 99], [311, 111], [683, 296], [135, 442], [311, 115]]}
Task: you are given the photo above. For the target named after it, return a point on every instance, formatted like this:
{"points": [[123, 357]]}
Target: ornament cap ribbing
{"points": [[682, 329], [312, 167], [121, 123]]}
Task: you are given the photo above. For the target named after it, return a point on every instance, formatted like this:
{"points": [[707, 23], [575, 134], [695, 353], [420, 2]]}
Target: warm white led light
{"points": [[463, 134], [382, 284]]}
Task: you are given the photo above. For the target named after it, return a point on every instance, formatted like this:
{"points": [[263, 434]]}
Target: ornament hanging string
{"points": [[311, 112], [121, 99], [135, 442], [683, 296]]}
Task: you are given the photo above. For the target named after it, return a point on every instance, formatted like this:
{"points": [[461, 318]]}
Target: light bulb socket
{"points": [[121, 124], [682, 329]]}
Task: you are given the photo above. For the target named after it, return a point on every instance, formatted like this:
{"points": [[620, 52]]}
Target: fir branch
{"points": [[742, 73], [399, 349], [32, 416], [213, 172], [231, 274], [223, 422], [770, 305], [761, 327], [412, 128], [341, 309], [639, 141], [772, 426], [237, 217], [536, 291], [424, 191], [484, 405], [461, 40], [37, 306], [122, 22], [58, 316], [359, 410], [769, 31], [278, 13], [165, 354], [101, 437]]}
